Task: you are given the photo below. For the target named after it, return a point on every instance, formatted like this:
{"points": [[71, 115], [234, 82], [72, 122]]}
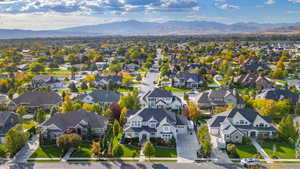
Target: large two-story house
{"points": [[187, 80], [255, 81], [7, 121], [155, 123], [280, 94], [74, 122], [233, 125], [46, 81], [220, 97], [163, 99]]}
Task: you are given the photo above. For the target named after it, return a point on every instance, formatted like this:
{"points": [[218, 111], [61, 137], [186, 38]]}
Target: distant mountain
{"points": [[133, 27], [283, 30]]}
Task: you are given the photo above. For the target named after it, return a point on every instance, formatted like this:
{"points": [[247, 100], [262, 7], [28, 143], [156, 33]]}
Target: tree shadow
{"points": [[159, 166]]}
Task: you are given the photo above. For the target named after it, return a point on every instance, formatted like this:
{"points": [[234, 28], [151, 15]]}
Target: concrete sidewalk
{"points": [[23, 155], [261, 151], [68, 154]]}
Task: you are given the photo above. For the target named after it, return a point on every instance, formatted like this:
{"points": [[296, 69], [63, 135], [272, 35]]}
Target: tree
{"points": [[149, 149], [65, 142], [96, 148], [37, 67], [22, 110], [193, 111], [15, 139], [130, 101], [126, 80], [87, 107], [287, 129], [186, 97], [69, 105], [116, 128], [123, 116], [115, 110], [40, 116], [3, 151], [204, 139], [231, 149], [115, 68], [117, 150], [84, 86]]}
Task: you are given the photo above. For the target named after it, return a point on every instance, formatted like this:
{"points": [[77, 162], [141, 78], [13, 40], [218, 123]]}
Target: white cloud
{"points": [[295, 1], [49, 20], [228, 6], [270, 2]]}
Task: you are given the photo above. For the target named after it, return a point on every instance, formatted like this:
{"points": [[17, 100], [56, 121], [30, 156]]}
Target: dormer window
{"points": [[166, 129], [242, 122]]}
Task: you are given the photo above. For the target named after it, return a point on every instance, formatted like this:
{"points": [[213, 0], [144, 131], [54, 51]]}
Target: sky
{"points": [[57, 14]]}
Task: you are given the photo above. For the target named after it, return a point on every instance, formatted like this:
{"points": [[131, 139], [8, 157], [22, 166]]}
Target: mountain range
{"points": [[133, 27]]}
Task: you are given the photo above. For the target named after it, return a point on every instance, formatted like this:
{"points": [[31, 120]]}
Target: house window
{"points": [[166, 129], [241, 121], [152, 125], [261, 125]]}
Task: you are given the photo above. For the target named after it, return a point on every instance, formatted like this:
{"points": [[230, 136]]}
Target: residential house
{"points": [[163, 99], [255, 81], [103, 81], [7, 121], [254, 66], [132, 67], [220, 97], [187, 80], [46, 81], [102, 97], [233, 125], [156, 123], [280, 94], [79, 122], [36, 99]]}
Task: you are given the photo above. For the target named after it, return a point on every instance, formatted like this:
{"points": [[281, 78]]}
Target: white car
{"points": [[249, 162]]}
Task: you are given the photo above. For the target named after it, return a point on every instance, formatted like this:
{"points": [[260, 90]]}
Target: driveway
{"points": [[220, 155], [187, 146], [29, 148]]}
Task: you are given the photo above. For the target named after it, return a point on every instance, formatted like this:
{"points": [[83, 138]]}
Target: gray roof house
{"points": [[36, 99], [280, 94], [103, 81], [233, 125], [155, 123], [253, 81], [99, 96], [74, 122], [160, 98], [7, 121], [219, 97], [46, 81], [187, 80]]}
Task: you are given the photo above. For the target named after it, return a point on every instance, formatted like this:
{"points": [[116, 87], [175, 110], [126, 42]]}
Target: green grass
{"points": [[57, 70], [86, 90], [64, 90], [130, 151], [120, 90], [165, 152], [47, 152], [284, 150], [177, 90], [136, 82], [282, 81], [84, 150], [246, 151], [142, 70]]}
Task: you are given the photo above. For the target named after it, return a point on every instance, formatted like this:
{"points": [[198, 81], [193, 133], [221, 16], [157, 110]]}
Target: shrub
{"points": [[231, 149], [117, 150]]}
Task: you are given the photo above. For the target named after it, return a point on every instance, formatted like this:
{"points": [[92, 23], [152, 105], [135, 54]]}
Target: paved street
{"points": [[187, 146], [120, 165]]}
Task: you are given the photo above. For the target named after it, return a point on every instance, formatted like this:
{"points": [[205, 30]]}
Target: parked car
{"points": [[249, 162]]}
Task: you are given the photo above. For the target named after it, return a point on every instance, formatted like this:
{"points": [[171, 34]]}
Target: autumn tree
{"points": [[116, 128], [65, 142], [288, 129], [149, 149], [96, 148], [15, 139]]}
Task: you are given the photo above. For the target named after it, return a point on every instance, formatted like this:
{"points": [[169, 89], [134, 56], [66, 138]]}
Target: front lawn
{"points": [[176, 90], [245, 151], [130, 151], [84, 150], [281, 149], [51, 151], [165, 152], [120, 90]]}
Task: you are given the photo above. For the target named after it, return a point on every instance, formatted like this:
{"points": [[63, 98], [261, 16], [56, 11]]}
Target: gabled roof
{"points": [[114, 78], [37, 98], [157, 92], [4, 117], [280, 94], [99, 96], [187, 76], [71, 119], [42, 78]]}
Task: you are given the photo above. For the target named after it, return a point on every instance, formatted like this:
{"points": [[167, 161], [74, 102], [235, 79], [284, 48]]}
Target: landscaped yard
{"points": [[51, 151], [245, 151], [28, 124], [282, 149], [130, 151], [165, 152], [176, 90], [84, 150]]}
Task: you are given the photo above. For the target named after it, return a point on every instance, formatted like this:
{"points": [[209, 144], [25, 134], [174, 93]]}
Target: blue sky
{"points": [[56, 14]]}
